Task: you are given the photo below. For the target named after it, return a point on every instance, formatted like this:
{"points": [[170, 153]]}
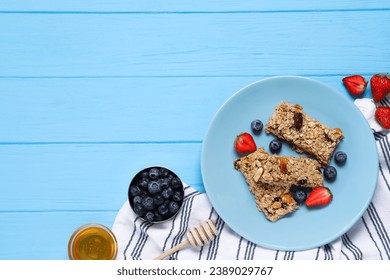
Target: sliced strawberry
{"points": [[319, 196], [355, 84], [382, 115], [244, 143], [380, 86]]}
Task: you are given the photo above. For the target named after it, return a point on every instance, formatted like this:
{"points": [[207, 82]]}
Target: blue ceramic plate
{"points": [[305, 228]]}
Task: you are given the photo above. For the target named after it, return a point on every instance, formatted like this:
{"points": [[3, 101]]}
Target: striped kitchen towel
{"points": [[369, 238]]}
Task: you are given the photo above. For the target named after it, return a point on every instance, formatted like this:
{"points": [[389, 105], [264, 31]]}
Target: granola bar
{"points": [[288, 122], [282, 170], [275, 202], [270, 177]]}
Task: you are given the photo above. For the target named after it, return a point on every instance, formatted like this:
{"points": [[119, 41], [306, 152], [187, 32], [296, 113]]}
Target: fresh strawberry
{"points": [[382, 115], [355, 84], [244, 143], [319, 196], [380, 86]]}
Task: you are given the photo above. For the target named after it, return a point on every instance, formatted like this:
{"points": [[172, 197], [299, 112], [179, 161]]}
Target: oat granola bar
{"points": [[270, 177], [275, 202], [288, 122], [283, 170]]}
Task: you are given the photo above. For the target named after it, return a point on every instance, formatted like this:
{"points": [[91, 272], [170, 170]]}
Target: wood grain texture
{"points": [[85, 177], [126, 110], [44, 235], [187, 5], [165, 45], [93, 91]]}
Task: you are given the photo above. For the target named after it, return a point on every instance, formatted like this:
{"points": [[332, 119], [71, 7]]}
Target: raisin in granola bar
{"points": [[275, 202], [283, 170], [288, 122], [270, 177]]}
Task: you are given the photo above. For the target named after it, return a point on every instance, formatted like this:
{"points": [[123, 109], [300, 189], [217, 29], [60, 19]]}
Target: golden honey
{"points": [[92, 242]]}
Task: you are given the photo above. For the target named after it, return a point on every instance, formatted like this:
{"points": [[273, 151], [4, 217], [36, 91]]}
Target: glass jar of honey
{"points": [[92, 242]]}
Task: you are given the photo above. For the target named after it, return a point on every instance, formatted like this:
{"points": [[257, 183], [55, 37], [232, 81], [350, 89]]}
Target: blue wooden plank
{"points": [[186, 5], [93, 91], [117, 110], [166, 45], [85, 177], [122, 110], [43, 235]]}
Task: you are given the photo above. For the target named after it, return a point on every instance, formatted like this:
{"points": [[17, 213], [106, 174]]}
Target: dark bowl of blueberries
{"points": [[156, 194]]}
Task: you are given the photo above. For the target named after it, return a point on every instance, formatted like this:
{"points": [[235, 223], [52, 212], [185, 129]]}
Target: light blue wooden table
{"points": [[93, 91]]}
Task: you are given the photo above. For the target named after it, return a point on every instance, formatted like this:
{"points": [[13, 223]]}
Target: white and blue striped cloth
{"points": [[369, 238]]}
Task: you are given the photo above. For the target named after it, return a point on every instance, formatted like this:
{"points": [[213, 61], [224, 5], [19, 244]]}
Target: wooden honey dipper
{"points": [[198, 235]]}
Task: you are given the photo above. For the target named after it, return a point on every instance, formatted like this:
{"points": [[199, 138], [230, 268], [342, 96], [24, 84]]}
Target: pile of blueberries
{"points": [[156, 194]]}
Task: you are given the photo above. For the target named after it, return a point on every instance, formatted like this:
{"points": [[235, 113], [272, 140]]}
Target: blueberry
{"points": [[173, 207], [295, 188], [340, 157], [299, 196], [135, 190], [154, 187], [139, 209], [157, 216], [164, 182], [144, 194], [158, 200], [145, 174], [275, 146], [143, 183], [177, 196], [256, 126], [164, 172], [167, 193], [147, 202], [330, 173], [154, 173], [137, 200], [175, 182], [149, 216], [163, 209]]}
